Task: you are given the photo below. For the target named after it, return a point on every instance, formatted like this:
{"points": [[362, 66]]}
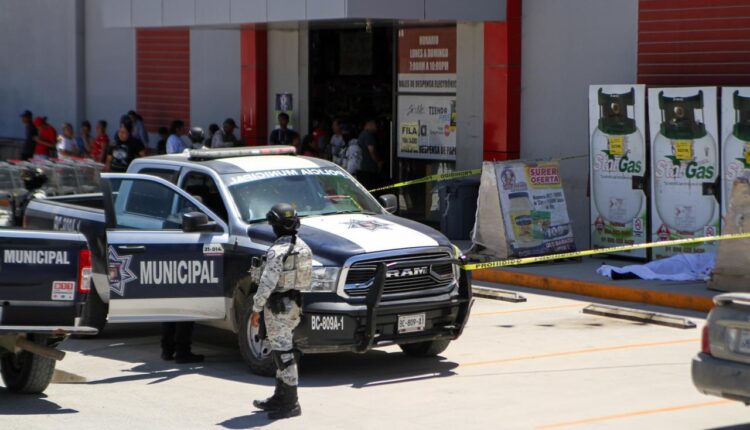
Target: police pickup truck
{"points": [[174, 240], [44, 281]]}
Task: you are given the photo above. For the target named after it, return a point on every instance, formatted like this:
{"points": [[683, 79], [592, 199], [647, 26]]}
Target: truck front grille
{"points": [[422, 276]]}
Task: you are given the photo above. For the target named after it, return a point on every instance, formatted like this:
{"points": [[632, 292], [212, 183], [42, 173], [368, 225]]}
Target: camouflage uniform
{"points": [[280, 276]]}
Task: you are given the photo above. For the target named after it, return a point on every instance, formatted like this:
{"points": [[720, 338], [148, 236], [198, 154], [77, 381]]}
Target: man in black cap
{"points": [[29, 142], [225, 137]]}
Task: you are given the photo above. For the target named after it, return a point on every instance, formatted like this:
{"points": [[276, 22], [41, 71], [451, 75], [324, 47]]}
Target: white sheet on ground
{"points": [[681, 267]]}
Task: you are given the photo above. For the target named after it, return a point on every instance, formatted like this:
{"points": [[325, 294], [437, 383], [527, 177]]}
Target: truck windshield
{"points": [[311, 191]]}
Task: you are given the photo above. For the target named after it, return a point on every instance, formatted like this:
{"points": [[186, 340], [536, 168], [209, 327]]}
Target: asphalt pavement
{"points": [[542, 364]]}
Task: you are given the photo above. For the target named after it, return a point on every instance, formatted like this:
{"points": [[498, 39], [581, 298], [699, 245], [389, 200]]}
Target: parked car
{"points": [[722, 368]]}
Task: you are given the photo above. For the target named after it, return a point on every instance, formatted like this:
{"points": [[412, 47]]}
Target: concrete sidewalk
{"points": [[581, 278]]}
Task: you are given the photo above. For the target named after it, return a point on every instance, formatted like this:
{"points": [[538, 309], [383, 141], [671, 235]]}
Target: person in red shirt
{"points": [[45, 140], [100, 143]]}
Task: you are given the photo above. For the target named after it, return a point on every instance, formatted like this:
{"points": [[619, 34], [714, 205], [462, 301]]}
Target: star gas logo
{"points": [[119, 272], [609, 163]]}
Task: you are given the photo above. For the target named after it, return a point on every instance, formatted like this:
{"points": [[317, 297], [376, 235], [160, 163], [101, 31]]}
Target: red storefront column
{"points": [[254, 85], [502, 86]]}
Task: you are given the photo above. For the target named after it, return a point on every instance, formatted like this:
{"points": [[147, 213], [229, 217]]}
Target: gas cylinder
{"points": [[736, 151], [618, 154], [685, 165]]}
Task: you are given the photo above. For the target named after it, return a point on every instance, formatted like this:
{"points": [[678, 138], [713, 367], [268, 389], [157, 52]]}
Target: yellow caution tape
{"points": [[574, 254], [454, 175], [432, 178]]}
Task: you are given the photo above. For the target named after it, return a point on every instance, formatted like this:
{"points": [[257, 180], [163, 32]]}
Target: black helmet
{"points": [[283, 218], [196, 135], [33, 178]]}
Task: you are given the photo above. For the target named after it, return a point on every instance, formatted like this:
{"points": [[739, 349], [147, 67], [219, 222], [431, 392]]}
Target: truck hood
{"points": [[335, 238]]}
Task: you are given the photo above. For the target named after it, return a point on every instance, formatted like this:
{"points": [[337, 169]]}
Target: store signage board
{"points": [[426, 111], [427, 60]]}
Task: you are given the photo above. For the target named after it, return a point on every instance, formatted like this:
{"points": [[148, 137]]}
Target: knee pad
{"points": [[284, 359]]}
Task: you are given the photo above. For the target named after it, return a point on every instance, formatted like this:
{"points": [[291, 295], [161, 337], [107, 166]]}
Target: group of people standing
{"points": [[128, 142], [360, 156], [178, 137], [42, 142]]}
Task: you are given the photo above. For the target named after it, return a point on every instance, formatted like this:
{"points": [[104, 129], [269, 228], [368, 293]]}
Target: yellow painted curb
{"points": [[594, 289]]}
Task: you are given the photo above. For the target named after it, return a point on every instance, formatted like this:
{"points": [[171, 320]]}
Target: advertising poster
{"points": [[534, 212], [684, 167], [619, 206], [427, 114], [427, 127], [735, 140]]}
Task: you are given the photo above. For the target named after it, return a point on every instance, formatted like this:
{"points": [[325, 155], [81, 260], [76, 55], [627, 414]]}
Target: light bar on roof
{"points": [[250, 151]]}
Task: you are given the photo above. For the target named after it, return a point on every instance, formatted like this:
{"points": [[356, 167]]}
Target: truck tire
{"points": [[25, 372], [255, 350], [425, 349], [94, 313]]}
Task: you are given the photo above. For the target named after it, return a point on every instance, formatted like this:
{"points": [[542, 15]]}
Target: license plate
{"points": [[411, 323], [743, 345]]}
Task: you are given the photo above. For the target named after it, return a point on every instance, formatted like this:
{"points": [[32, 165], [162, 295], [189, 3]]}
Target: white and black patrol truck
{"points": [[174, 240]]}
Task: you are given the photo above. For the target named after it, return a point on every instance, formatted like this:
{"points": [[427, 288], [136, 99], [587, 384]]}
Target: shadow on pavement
{"points": [[372, 369], [257, 419], [733, 427], [29, 404], [139, 344]]}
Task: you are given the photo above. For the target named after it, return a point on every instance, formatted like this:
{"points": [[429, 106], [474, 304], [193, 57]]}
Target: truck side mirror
{"points": [[389, 203], [197, 221]]}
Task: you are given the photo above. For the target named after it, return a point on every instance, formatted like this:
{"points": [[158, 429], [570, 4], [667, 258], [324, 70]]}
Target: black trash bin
{"points": [[458, 207]]}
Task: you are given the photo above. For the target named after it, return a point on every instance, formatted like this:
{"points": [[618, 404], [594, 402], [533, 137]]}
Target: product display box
{"points": [[619, 205], [685, 165]]}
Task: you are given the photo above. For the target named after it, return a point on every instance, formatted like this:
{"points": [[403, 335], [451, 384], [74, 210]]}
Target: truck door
{"points": [[165, 252]]}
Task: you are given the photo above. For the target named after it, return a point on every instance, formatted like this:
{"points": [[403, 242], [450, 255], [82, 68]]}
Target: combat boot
{"points": [[289, 404], [272, 403]]}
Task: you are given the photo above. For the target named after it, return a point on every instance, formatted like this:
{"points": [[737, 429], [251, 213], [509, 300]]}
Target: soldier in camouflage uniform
{"points": [[287, 271]]}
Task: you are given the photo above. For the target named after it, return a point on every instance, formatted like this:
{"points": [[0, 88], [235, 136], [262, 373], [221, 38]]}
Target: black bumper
{"points": [[22, 313], [53, 330], [331, 324]]}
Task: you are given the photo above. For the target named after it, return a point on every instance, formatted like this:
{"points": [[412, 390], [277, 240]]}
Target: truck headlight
{"points": [[456, 268], [325, 279]]}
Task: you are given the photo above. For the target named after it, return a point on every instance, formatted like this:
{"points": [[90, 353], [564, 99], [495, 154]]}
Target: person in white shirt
{"points": [[225, 137], [352, 160], [66, 142], [175, 143]]}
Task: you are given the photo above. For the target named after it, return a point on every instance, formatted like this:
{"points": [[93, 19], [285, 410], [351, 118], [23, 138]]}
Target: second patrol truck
{"points": [[174, 240]]}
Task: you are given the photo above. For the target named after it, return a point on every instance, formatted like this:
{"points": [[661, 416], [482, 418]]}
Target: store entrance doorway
{"points": [[351, 78]]}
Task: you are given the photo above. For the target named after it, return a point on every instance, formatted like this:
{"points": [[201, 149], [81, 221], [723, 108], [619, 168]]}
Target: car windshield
{"points": [[311, 191]]}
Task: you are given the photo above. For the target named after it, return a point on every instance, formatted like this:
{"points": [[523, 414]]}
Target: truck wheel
{"points": [[256, 351], [425, 349], [94, 312], [26, 372]]}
